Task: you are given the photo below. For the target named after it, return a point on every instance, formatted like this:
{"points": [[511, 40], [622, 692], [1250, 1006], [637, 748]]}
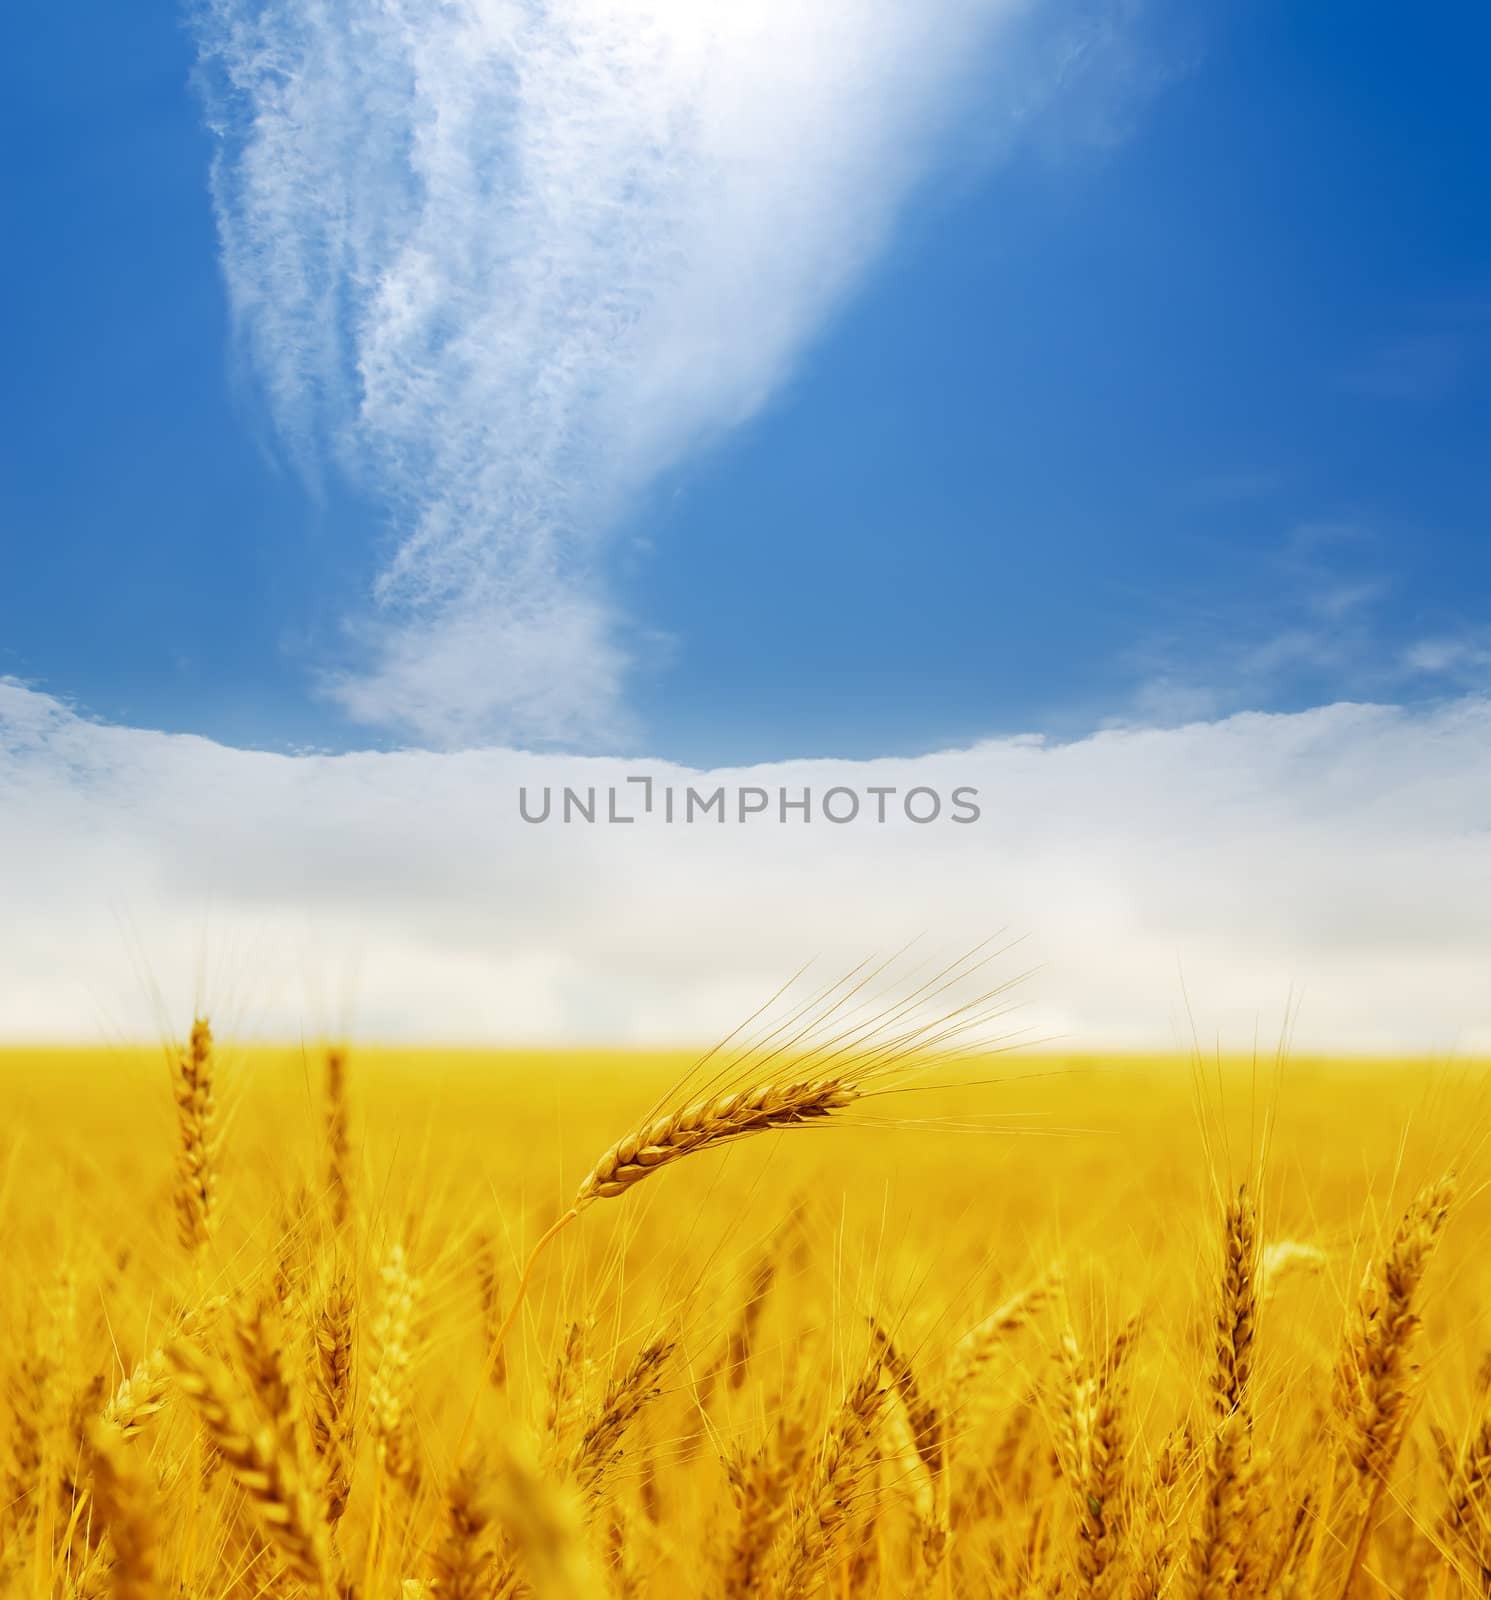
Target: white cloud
{"points": [[1344, 852], [509, 259]]}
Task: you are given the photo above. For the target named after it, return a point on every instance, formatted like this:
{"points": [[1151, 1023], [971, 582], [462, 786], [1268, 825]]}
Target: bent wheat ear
{"points": [[701, 1126], [707, 1123], [864, 1050]]}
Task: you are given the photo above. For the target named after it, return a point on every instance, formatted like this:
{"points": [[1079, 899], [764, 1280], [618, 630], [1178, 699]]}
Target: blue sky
{"points": [[1166, 398]]}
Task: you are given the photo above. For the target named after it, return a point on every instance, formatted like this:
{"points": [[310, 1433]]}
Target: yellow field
{"points": [[780, 1367]]}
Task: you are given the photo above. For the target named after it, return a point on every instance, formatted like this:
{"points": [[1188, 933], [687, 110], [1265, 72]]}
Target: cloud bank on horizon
{"points": [[1342, 854], [506, 261]]}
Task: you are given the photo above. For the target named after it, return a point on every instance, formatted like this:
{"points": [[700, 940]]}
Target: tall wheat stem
{"points": [[494, 1350]]}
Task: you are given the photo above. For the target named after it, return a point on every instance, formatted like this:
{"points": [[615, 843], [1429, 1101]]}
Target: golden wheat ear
{"points": [[196, 1119], [332, 1408], [708, 1124], [393, 1331], [600, 1446]]}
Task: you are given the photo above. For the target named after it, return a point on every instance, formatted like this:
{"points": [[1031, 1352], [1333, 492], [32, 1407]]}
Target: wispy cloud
{"points": [[1428, 364], [1320, 618], [1422, 367], [506, 260], [1462, 659], [1306, 616]]}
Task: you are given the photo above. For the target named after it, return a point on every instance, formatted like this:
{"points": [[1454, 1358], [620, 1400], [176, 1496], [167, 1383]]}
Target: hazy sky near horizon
{"points": [[1331, 865], [1086, 400]]}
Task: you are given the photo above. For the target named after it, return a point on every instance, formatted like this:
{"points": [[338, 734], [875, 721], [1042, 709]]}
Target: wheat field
{"points": [[1017, 1325]]}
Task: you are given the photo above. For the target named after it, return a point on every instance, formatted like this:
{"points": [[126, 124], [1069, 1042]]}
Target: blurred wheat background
{"points": [[1024, 1326]]}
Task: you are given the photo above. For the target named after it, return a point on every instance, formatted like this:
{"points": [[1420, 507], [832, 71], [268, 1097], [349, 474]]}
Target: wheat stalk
{"points": [[1374, 1376], [1092, 1446], [489, 1287], [332, 1403], [258, 1452], [461, 1566], [927, 1439], [338, 1138], [393, 1341], [759, 1485], [1466, 1519], [977, 1348], [1237, 1307], [600, 1446], [196, 1119], [123, 1495], [1219, 1554], [818, 1520], [543, 1522]]}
